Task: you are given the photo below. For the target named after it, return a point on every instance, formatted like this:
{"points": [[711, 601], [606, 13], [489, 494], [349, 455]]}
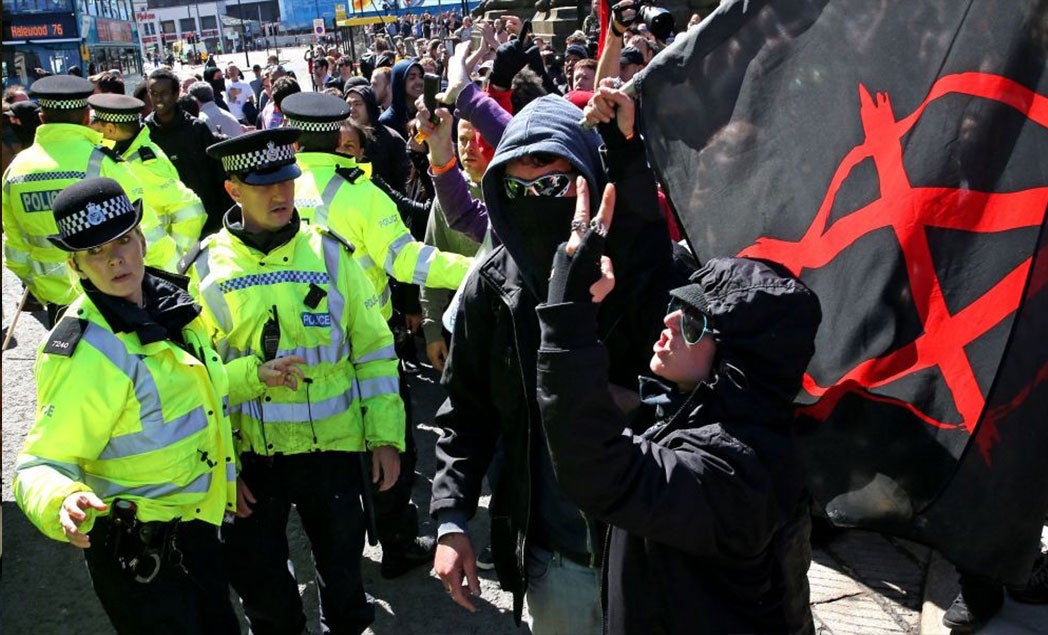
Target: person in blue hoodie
{"points": [[406, 84], [542, 545]]}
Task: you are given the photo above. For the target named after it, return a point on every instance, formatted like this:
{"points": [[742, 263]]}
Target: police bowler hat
{"points": [[93, 212]]}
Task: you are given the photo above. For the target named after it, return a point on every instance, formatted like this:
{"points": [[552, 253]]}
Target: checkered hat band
{"points": [[117, 117], [315, 126], [270, 156], [94, 214], [62, 104]]}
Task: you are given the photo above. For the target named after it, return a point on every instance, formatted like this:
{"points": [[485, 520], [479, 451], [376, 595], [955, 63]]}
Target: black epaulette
{"points": [[146, 153], [328, 232], [111, 153], [65, 336], [190, 257], [350, 174]]}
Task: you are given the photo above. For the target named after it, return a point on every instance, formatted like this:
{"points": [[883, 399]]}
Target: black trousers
{"points": [[396, 517], [325, 488], [190, 593]]}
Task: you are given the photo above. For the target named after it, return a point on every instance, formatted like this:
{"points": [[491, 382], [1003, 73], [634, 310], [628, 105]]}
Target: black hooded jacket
{"points": [[387, 151], [185, 142], [490, 372], [708, 506]]}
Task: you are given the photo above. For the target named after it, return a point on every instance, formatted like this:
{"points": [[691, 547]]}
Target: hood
{"points": [[764, 321], [396, 116], [368, 96], [549, 124]]}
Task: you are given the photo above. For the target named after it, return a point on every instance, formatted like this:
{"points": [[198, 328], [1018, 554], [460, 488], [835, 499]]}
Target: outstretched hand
{"points": [[580, 270], [72, 514], [460, 67], [282, 371]]}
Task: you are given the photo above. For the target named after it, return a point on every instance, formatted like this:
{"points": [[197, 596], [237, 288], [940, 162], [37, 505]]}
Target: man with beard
{"points": [[406, 84]]}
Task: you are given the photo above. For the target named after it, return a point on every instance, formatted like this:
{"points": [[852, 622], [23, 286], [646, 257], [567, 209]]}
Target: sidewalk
{"points": [[863, 583]]}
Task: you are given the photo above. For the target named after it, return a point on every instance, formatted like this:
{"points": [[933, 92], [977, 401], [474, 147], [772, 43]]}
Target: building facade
{"points": [[179, 26]]}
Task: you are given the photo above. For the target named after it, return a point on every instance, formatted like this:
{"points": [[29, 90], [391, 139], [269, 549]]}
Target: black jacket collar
{"points": [[264, 241], [168, 308]]}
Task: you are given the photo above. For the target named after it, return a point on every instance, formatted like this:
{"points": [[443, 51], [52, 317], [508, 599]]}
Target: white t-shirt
{"points": [[236, 96]]}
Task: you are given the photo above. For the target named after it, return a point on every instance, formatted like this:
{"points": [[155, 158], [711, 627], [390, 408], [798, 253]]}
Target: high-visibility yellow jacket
{"points": [[328, 314], [123, 419], [178, 208], [366, 217], [62, 155]]}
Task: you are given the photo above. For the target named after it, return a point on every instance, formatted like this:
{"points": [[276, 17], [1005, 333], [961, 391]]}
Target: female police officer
{"points": [[131, 456]]}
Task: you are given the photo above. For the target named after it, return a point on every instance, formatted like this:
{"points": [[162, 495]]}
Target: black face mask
{"points": [[540, 224]]}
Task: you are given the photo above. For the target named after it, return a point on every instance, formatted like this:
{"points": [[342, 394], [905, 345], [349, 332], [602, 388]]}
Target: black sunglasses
{"points": [[693, 324]]}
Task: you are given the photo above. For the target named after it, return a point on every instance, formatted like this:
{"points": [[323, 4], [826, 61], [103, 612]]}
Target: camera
{"points": [[659, 20]]}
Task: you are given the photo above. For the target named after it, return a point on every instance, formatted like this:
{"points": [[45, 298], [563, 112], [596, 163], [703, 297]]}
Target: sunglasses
{"points": [[552, 184], [693, 324]]}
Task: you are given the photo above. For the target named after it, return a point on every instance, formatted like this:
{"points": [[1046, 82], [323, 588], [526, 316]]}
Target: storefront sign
{"points": [[113, 31]]}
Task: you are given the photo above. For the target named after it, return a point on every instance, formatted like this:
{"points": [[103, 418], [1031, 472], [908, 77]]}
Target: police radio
{"points": [[271, 337]]}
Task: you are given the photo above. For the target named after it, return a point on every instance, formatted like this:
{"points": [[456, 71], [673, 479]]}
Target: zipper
{"points": [[522, 558]]}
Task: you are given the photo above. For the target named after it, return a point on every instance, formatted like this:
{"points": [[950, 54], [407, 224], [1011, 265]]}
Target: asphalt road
{"points": [[45, 588]]}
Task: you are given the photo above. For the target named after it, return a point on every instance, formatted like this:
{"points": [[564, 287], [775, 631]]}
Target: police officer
{"points": [[178, 208], [335, 192], [270, 286], [65, 151], [131, 456]]}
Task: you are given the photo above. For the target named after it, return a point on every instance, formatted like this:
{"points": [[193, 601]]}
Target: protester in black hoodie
{"points": [[530, 190], [387, 151], [706, 494]]}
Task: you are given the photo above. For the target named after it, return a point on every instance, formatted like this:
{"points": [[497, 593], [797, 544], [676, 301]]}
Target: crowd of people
{"points": [[242, 265]]}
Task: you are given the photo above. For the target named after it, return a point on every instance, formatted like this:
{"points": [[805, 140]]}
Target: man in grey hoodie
{"points": [[543, 546]]}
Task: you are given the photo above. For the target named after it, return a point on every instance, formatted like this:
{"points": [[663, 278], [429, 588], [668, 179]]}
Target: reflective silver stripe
{"points": [[378, 386], [329, 354], [388, 352], [364, 260], [71, 471], [335, 301], [189, 212], [231, 472], [331, 189], [394, 251], [156, 437], [48, 268], [105, 488], [16, 255], [156, 432], [94, 164], [273, 413], [426, 254], [211, 294], [156, 234], [383, 298], [39, 241]]}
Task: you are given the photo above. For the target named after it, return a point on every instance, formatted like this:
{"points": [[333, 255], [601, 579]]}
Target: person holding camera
{"points": [[131, 457]]}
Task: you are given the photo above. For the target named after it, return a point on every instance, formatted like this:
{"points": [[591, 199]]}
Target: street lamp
{"points": [[243, 36]]}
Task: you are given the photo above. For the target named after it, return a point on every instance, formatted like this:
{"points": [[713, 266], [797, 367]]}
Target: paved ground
{"points": [[861, 583]]}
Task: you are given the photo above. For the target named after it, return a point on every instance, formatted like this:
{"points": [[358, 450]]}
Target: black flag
{"points": [[894, 155]]}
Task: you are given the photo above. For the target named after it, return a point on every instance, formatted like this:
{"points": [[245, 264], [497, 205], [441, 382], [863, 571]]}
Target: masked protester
{"points": [[530, 188]]}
